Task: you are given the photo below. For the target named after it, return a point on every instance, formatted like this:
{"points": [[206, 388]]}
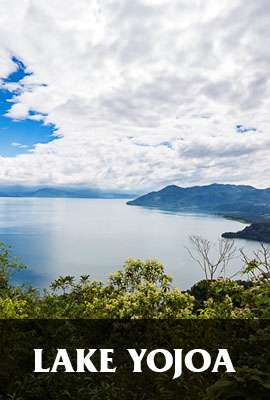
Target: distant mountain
{"points": [[235, 201], [61, 192]]}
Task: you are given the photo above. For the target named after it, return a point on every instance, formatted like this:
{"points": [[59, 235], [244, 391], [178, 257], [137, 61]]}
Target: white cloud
{"points": [[122, 78], [19, 145]]}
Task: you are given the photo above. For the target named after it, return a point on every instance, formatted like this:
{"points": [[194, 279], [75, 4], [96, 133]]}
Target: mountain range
{"points": [[61, 192], [234, 201]]}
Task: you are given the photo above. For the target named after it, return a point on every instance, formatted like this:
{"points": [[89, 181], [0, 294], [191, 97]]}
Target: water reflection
{"points": [[78, 236]]}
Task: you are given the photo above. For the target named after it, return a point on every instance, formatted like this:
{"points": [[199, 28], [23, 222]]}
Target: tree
{"points": [[258, 265], [212, 258], [8, 266], [63, 283]]}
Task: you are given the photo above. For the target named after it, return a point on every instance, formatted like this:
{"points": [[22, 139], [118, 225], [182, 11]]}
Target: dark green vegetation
{"points": [[246, 340], [143, 290], [259, 232], [244, 202], [138, 307]]}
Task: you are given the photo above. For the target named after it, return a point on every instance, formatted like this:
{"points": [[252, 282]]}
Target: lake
{"points": [[88, 236]]}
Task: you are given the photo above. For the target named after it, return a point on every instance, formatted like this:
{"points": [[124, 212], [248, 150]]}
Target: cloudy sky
{"points": [[133, 95]]}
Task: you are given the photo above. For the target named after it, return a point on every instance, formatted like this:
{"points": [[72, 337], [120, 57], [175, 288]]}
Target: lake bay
{"points": [[91, 236]]}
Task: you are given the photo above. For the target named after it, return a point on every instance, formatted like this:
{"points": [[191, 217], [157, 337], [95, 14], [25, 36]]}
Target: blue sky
{"points": [[18, 137], [141, 94]]}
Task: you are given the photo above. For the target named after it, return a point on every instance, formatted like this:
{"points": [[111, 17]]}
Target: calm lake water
{"points": [[84, 236]]}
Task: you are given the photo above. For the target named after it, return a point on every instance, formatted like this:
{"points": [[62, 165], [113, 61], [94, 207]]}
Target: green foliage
{"points": [[8, 266], [258, 298], [13, 308], [247, 384], [223, 309], [140, 290], [63, 283]]}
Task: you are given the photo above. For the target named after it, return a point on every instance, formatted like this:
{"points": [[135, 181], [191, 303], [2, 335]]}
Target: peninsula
{"points": [[259, 232]]}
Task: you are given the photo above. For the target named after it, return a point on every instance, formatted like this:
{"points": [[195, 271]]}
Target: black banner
{"points": [[29, 345]]}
